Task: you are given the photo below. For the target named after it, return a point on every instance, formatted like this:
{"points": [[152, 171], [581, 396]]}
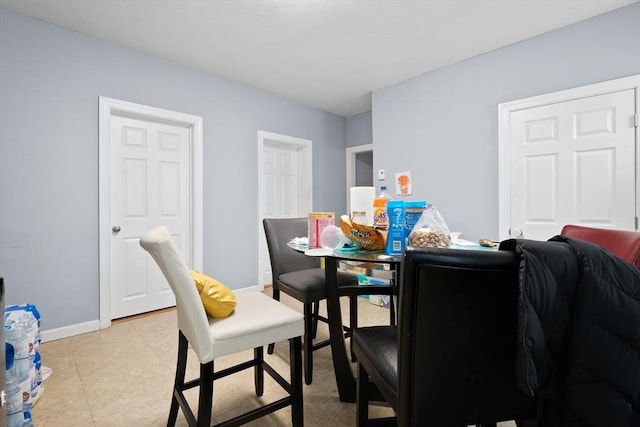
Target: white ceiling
{"points": [[329, 54]]}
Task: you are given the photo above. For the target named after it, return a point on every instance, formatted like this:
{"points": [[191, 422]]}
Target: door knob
{"points": [[116, 228], [516, 232]]}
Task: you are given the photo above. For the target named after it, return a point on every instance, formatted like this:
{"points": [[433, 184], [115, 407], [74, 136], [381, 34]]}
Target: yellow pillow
{"points": [[218, 300]]}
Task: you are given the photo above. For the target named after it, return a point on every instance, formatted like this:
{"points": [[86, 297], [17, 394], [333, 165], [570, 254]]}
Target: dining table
{"points": [[345, 379]]}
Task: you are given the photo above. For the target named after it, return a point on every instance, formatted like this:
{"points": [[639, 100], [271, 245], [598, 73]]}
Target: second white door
{"points": [[285, 184], [573, 162]]}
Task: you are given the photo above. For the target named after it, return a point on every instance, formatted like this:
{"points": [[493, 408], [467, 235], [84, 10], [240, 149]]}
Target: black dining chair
{"points": [[302, 278], [450, 360]]}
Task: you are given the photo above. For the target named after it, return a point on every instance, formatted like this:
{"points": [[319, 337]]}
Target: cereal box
{"points": [[318, 221]]}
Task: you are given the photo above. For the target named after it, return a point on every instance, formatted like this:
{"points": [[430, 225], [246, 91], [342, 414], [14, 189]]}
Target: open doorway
{"points": [[359, 167]]}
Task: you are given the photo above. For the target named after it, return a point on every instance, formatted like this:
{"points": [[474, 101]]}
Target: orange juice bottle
{"points": [[380, 219]]}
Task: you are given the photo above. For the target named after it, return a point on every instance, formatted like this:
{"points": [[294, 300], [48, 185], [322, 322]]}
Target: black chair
{"points": [[450, 361], [302, 278]]}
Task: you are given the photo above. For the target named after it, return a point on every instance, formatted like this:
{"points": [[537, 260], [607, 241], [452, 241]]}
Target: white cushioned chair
{"points": [[256, 321]]}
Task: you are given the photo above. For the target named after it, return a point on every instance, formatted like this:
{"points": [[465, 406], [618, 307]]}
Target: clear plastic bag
{"points": [[431, 230]]}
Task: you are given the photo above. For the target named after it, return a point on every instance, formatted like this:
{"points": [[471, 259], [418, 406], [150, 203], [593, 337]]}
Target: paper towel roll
{"points": [[361, 199]]}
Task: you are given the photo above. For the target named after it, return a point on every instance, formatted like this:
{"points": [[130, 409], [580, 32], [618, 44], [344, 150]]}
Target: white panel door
{"points": [[149, 185], [573, 162], [280, 181], [280, 188]]}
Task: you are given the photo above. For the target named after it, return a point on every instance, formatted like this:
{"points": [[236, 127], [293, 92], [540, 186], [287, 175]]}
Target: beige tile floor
{"points": [[122, 376]]}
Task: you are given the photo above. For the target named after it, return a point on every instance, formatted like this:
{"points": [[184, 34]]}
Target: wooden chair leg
{"points": [[258, 370], [308, 344], [276, 296], [205, 398], [353, 321], [316, 313], [295, 359], [362, 397], [181, 366]]}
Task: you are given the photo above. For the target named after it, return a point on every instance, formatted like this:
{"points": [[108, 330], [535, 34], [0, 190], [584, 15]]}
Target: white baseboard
{"points": [[256, 288], [69, 331], [94, 325]]}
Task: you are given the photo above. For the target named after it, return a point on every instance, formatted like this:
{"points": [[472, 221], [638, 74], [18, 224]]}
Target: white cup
{"points": [[331, 237]]}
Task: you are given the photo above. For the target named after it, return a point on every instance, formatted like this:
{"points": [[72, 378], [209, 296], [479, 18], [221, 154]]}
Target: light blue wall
{"points": [[443, 125], [359, 130], [50, 81]]}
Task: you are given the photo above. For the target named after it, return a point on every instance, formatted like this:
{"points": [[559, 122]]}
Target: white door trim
{"points": [[352, 153], [108, 108], [504, 135], [305, 177]]}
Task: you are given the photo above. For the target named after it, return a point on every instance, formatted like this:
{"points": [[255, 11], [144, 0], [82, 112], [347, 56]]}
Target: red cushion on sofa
{"points": [[623, 244]]}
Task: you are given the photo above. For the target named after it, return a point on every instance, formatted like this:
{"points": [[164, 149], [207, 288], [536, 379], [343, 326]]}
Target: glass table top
{"points": [[353, 254]]}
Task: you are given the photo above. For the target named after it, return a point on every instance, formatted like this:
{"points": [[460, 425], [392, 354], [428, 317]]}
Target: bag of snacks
{"points": [[430, 231]]}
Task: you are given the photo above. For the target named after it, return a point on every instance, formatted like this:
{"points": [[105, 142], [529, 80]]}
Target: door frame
{"points": [[352, 154], [113, 107], [305, 179], [504, 135]]}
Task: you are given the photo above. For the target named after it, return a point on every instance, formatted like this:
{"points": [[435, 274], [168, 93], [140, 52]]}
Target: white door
{"points": [[149, 186], [142, 182], [280, 181], [285, 185], [573, 162]]}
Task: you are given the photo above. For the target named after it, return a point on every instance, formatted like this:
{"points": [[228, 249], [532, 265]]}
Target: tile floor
{"points": [[122, 376]]}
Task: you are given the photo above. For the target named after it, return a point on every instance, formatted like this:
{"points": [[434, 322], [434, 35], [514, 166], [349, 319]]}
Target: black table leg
{"points": [[344, 376]]}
